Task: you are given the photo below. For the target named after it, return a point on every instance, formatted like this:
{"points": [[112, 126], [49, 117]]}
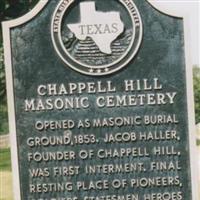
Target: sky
{"points": [[192, 7], [195, 12]]}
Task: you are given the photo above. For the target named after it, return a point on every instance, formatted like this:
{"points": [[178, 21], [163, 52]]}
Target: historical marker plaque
{"points": [[98, 102]]}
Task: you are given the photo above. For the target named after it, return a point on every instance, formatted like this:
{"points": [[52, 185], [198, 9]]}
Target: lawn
{"points": [[5, 160], [5, 175], [6, 185]]}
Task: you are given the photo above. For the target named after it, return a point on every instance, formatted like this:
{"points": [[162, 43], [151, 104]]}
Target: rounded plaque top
{"points": [[96, 37]]}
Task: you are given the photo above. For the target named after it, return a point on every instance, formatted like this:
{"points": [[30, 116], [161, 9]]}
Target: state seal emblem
{"points": [[96, 37]]}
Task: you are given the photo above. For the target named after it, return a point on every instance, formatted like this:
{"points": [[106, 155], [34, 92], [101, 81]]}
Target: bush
{"points": [[196, 77]]}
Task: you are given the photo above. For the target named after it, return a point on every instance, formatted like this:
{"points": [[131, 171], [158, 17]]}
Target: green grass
{"points": [[5, 160], [5, 175], [3, 119], [6, 187]]}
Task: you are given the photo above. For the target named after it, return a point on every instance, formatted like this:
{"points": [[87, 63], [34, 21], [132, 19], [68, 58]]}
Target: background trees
{"points": [[196, 78]]}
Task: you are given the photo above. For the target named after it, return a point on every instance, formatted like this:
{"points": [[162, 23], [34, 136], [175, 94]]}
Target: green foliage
{"points": [[10, 9], [5, 161], [196, 75], [2, 75], [3, 119]]}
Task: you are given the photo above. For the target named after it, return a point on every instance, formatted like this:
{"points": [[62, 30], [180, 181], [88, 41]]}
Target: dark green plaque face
{"points": [[100, 107]]}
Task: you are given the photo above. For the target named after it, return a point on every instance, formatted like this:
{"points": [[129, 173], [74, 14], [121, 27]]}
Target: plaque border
{"points": [[7, 25], [161, 6], [167, 8]]}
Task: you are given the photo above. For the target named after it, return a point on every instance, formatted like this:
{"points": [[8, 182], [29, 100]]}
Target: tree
{"points": [[2, 75], [14, 8], [196, 77]]}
